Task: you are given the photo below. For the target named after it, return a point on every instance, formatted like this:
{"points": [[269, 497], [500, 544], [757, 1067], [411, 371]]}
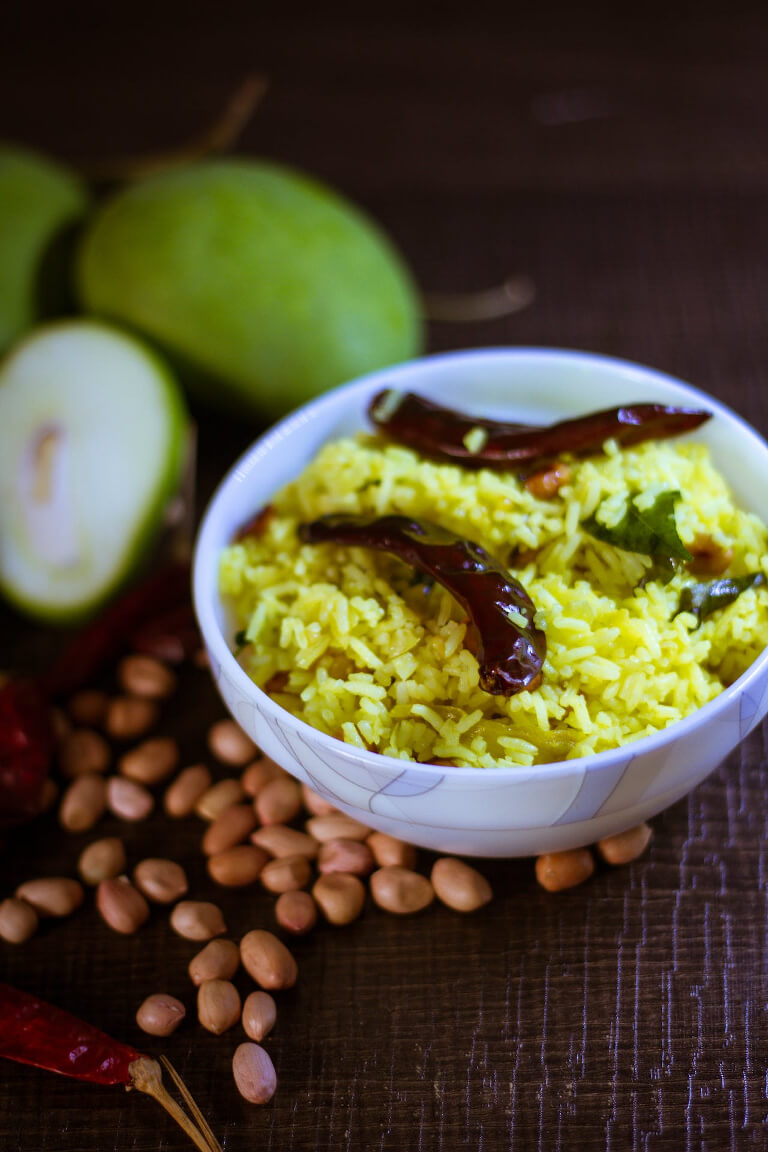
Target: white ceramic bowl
{"points": [[504, 811]]}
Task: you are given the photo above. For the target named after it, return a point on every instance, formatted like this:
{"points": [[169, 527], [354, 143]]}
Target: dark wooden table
{"points": [[621, 163]]}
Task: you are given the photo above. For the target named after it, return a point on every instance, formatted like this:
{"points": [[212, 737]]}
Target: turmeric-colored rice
{"points": [[360, 646]]}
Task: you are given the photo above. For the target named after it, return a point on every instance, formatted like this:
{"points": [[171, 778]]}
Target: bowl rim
{"points": [[238, 472]]}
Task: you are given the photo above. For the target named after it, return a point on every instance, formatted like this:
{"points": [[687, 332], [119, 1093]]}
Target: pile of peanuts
{"points": [[325, 867]]}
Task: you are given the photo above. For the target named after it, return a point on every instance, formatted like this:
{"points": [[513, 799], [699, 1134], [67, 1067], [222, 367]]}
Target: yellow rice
{"points": [[377, 659]]}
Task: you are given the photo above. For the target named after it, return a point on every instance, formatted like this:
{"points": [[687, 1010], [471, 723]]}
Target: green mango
{"points": [[93, 440], [40, 202], [270, 287]]}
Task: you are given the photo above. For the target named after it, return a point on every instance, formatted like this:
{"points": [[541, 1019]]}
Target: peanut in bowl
{"points": [[640, 696]]}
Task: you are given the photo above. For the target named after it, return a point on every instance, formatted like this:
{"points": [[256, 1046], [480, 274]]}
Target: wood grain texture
{"points": [[619, 161]]}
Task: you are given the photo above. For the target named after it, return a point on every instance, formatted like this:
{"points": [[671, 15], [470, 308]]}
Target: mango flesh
{"points": [[39, 200], [93, 438], [266, 284]]}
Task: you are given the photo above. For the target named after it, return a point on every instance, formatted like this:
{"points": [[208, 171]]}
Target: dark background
{"points": [[620, 161]]}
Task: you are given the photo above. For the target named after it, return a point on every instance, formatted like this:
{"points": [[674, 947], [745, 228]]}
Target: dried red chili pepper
{"points": [[34, 1032], [26, 748], [37, 1033], [478, 443], [510, 648]]}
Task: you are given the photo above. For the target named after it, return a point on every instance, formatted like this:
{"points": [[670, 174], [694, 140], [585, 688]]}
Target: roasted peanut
{"points": [[162, 881], [339, 897], [279, 840], [286, 874], [102, 860], [145, 676], [219, 960], [278, 681], [400, 890], [296, 912], [519, 557], [87, 707], [314, 803], [160, 1014], [254, 1073], [128, 717], [218, 1005], [710, 558], [218, 798], [128, 800], [52, 895], [279, 801], [82, 751], [336, 826], [197, 920], [352, 856], [228, 829], [121, 906], [624, 847], [267, 960], [547, 482], [18, 920], [558, 870], [259, 1015], [458, 885], [83, 803], [183, 793], [387, 850], [230, 745], [237, 867], [259, 773], [151, 761]]}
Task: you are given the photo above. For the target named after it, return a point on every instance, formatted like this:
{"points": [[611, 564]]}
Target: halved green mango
{"points": [[93, 432]]}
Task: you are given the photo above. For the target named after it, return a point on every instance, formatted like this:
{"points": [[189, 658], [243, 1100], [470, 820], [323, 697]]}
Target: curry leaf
{"points": [[701, 600], [649, 531]]}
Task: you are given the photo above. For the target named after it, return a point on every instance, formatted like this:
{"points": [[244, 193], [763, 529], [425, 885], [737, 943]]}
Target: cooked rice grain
{"points": [[376, 654]]}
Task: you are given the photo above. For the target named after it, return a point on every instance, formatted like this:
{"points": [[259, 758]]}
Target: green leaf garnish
{"points": [[649, 531], [701, 600], [241, 641]]}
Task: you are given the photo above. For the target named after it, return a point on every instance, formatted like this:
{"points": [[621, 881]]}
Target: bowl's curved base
{"points": [[511, 842]]}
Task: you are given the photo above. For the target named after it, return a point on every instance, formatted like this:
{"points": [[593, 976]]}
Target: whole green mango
{"points": [[267, 285], [39, 202]]}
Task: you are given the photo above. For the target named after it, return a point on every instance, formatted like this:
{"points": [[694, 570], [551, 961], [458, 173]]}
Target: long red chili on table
{"points": [[510, 648], [34, 1032], [476, 442], [37, 1033]]}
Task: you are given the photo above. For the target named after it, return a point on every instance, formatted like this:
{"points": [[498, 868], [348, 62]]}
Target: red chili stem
{"points": [[445, 434], [510, 653], [35, 1032]]}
